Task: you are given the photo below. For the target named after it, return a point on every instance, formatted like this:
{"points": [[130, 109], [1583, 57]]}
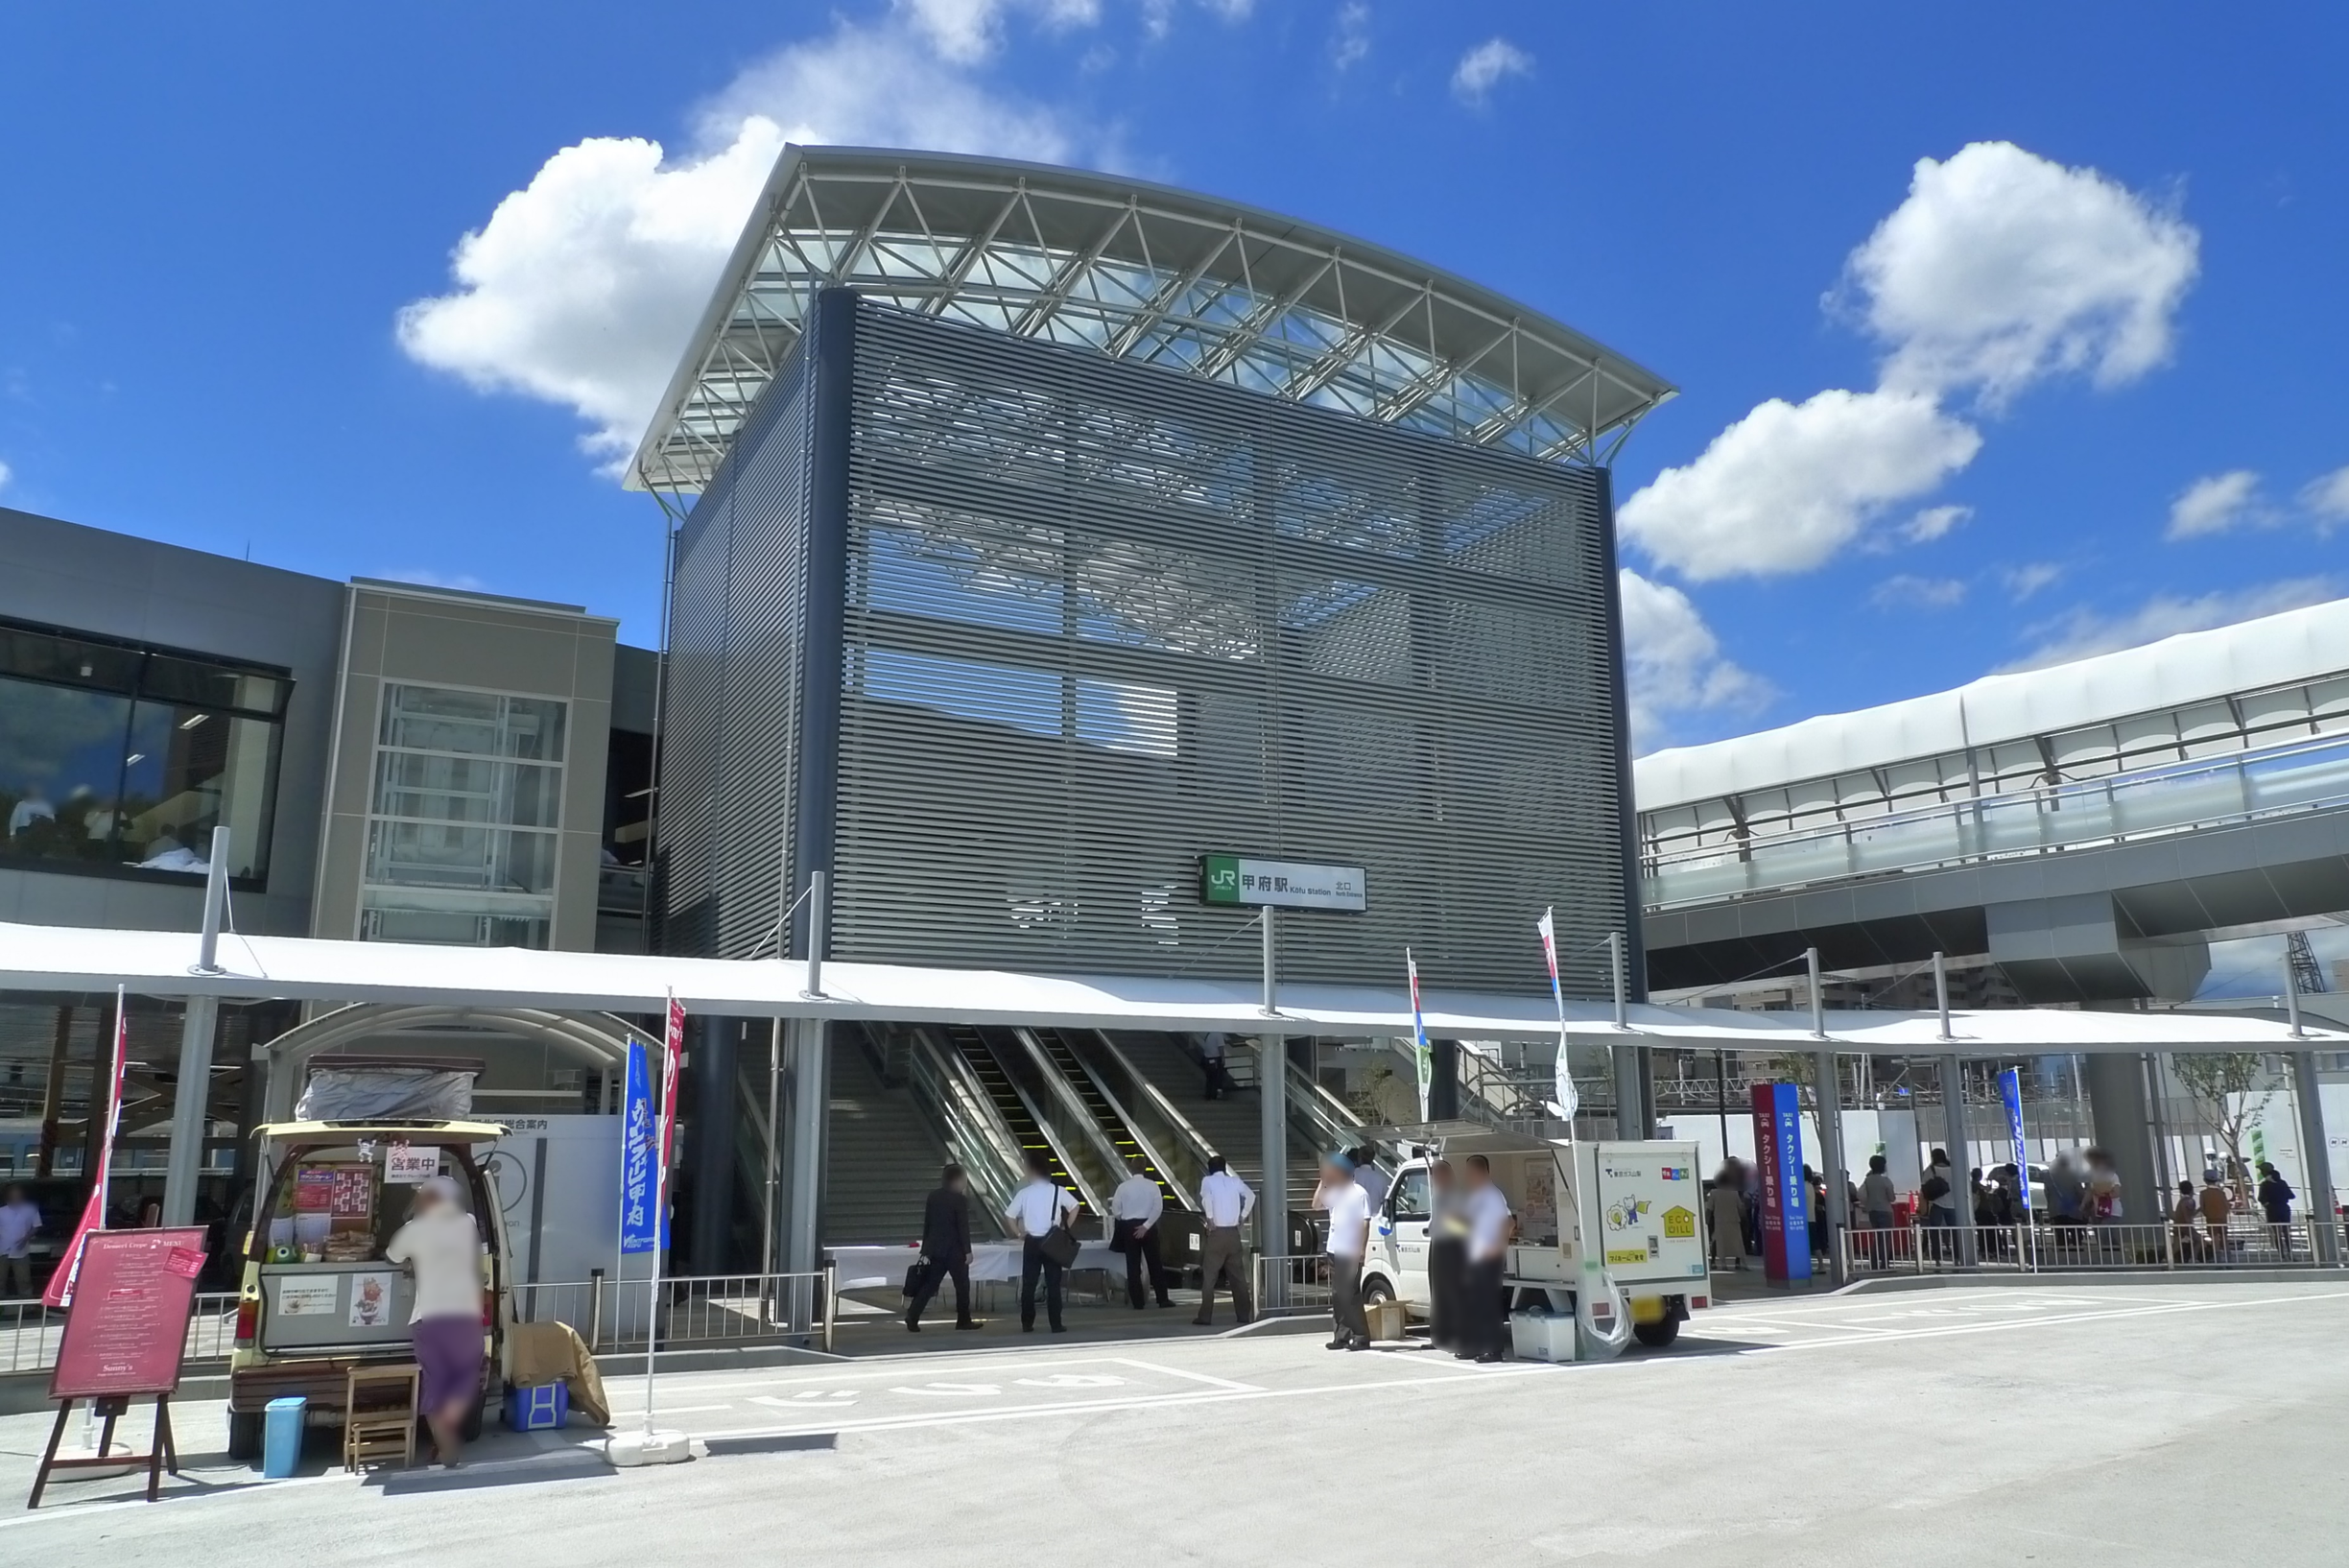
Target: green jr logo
{"points": [[1219, 879]]}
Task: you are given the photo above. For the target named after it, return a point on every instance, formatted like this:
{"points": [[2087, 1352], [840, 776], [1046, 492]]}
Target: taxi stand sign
{"points": [[1238, 880]]}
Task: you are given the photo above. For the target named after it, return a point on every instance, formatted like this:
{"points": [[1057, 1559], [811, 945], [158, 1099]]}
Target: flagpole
{"points": [[672, 1040]]}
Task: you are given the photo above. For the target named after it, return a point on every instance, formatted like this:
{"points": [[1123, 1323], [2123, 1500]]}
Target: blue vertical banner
{"points": [[2010, 1091], [637, 1226], [1785, 1202]]}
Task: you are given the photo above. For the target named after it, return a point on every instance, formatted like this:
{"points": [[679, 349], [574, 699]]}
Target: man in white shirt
{"points": [[1135, 1211], [1225, 1203], [1486, 1207], [19, 1222], [1034, 1211], [1212, 1046], [1348, 1208]]}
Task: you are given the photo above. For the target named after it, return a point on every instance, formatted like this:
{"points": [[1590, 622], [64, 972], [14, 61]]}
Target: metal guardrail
{"points": [[29, 1332], [2196, 795], [696, 1310], [2051, 1248], [1294, 1285]]}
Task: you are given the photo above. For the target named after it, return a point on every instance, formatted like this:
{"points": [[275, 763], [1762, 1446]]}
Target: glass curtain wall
{"points": [[116, 758], [468, 801]]}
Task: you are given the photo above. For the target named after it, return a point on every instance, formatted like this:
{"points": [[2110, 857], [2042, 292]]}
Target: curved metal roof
{"points": [[1139, 271]]}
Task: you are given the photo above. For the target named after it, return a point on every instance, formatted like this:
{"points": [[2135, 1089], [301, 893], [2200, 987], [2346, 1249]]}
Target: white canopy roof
{"points": [[2192, 667], [78, 958]]}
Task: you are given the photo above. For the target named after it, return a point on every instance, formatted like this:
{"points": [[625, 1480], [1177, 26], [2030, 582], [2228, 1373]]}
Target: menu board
{"points": [[127, 1325]]}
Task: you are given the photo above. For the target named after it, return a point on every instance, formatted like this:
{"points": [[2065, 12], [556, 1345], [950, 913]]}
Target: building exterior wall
{"points": [[109, 585], [1097, 619], [397, 635]]}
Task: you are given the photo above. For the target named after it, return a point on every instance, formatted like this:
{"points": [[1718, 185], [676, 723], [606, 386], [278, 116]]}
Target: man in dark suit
{"points": [[946, 1248]]}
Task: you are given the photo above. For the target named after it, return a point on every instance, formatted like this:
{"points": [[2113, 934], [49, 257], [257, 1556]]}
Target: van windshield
{"points": [[331, 1203]]}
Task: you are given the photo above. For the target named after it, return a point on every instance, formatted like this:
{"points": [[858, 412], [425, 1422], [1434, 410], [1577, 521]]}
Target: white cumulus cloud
{"points": [[1908, 591], [1481, 69], [1791, 484], [2213, 503], [2024, 581], [5, 474], [970, 31], [2082, 632], [1933, 522], [2003, 266], [1673, 662], [582, 287], [2325, 499], [1350, 37]]}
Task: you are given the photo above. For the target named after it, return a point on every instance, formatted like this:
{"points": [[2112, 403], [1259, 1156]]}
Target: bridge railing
{"points": [[2253, 785]]}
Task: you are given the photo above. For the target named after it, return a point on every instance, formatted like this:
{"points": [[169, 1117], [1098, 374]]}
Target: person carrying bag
{"points": [[1044, 1216]]}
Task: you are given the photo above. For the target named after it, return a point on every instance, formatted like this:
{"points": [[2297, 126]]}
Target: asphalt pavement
{"points": [[2139, 1424]]}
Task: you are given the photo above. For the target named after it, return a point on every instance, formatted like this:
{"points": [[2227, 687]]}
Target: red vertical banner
{"points": [[672, 1047], [59, 1293]]}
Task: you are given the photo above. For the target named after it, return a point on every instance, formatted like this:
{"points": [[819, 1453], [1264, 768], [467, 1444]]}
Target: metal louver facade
{"points": [[1097, 618]]}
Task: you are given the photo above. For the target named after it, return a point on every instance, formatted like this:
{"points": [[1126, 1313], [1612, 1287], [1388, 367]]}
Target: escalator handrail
{"points": [[1142, 1141], [970, 1115], [1200, 1149], [1072, 1104], [1086, 1191], [1328, 1115]]}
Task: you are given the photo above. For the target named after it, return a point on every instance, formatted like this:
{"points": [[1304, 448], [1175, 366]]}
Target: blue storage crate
{"points": [[539, 1407]]}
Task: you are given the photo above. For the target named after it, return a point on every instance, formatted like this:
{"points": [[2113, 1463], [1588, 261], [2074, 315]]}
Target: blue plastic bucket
{"points": [[281, 1441]]}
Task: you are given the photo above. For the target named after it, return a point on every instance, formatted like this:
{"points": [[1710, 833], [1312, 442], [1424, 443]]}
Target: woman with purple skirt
{"points": [[442, 1250]]}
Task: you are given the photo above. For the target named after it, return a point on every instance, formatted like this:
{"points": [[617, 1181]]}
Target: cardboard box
{"points": [[1385, 1319]]}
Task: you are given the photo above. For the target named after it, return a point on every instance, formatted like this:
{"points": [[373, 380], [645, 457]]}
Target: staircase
{"points": [[1009, 1105], [1104, 1112], [881, 1160]]}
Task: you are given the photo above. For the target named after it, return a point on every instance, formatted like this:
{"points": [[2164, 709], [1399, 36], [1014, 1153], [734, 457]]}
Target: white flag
{"points": [[1563, 1092]]}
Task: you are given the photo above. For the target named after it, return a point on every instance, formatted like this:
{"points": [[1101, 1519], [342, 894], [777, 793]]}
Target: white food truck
{"points": [[1645, 1199]]}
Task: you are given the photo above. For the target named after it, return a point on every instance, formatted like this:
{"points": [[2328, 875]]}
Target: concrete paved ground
{"points": [[2141, 1425]]}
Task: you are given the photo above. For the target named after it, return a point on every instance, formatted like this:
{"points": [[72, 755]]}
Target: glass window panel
{"points": [[61, 772], [434, 719], [208, 685], [26, 651], [447, 855], [467, 790], [186, 772]]}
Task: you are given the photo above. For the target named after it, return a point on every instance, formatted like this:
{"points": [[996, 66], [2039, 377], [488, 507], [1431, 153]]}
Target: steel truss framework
{"points": [[1141, 273]]}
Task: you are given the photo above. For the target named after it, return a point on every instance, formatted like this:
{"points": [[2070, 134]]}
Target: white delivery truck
{"points": [[1646, 1201]]}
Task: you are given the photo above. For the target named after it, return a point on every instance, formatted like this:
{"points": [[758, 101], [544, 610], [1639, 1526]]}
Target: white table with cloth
{"points": [[992, 1262]]}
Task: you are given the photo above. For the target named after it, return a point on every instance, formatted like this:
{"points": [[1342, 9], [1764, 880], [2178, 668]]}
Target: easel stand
{"points": [[109, 1409]]}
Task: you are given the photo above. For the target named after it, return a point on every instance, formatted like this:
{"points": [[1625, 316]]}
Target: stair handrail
{"points": [[1332, 1120], [969, 1125], [1183, 1193], [1201, 1147]]}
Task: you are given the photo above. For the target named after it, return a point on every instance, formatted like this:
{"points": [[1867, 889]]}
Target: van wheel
{"points": [[1657, 1334], [246, 1431], [1376, 1291]]}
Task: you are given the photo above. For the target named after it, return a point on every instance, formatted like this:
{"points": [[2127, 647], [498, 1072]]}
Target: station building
{"points": [[1038, 534]]}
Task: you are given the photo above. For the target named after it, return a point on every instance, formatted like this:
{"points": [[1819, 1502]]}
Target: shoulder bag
{"points": [[1059, 1242]]}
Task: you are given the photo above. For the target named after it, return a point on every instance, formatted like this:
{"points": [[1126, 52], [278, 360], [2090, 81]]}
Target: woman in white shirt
{"points": [[442, 1250]]}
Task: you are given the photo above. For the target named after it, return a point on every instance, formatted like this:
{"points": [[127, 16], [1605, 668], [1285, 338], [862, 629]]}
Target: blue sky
{"points": [[2103, 324]]}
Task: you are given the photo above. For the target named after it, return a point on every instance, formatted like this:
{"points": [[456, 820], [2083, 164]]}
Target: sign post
{"points": [[124, 1338], [646, 1140], [1785, 1202]]}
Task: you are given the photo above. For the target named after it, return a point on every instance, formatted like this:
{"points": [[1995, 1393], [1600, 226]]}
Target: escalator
{"points": [[1013, 1107], [1116, 1124]]}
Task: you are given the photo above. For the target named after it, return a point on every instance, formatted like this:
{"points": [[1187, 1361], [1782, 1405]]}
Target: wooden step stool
{"points": [[379, 1415]]}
